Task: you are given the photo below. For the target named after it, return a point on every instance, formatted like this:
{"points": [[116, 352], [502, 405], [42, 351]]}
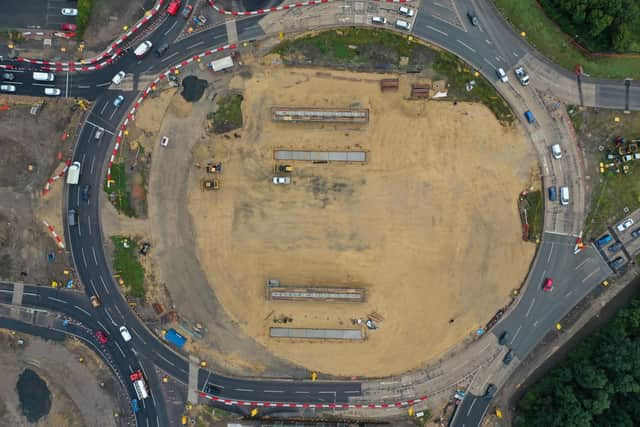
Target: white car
{"points": [[7, 88], [406, 11], [99, 133], [126, 336], [164, 141], [626, 224], [379, 20], [142, 49], [69, 12], [117, 79], [281, 180], [52, 91], [556, 152], [502, 75]]}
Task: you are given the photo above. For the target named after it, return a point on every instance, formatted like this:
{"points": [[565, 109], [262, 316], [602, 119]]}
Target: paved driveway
{"points": [[35, 14]]}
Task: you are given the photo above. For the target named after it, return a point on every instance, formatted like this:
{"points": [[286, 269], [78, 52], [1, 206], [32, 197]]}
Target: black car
{"points": [[503, 338], [615, 247], [162, 49], [8, 76], [144, 250], [211, 389], [508, 357], [635, 233], [473, 19], [617, 263], [72, 218], [85, 192], [491, 391]]}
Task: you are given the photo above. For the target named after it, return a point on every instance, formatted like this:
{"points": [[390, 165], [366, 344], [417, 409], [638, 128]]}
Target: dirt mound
{"points": [[193, 88]]}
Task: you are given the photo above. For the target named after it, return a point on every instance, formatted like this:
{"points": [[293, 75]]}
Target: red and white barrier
{"points": [[55, 235], [284, 7], [51, 180], [315, 405], [132, 113]]}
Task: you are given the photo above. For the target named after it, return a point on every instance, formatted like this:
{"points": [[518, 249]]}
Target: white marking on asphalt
{"points": [[96, 125], [389, 382], [147, 421], [273, 391], [138, 335], [196, 44], [56, 300], [581, 264], [118, 310], [112, 113], [326, 392], [351, 391], [104, 107], [154, 400], [93, 162], [42, 84], [302, 392], [103, 84], [488, 41], [110, 318], [591, 274], [101, 325], [83, 86], [121, 352], [82, 310], [243, 389], [550, 252], [515, 54], [530, 307], [170, 56], [161, 357], [84, 258], [171, 28], [66, 88], [466, 45], [489, 62], [89, 225], [157, 421], [106, 289], [77, 197], [498, 59], [30, 294], [217, 385], [437, 30], [6, 291], [130, 369], [93, 287], [95, 259], [568, 293], [472, 403]]}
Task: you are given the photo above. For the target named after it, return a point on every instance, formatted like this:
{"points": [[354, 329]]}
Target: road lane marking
{"points": [[121, 352], [77, 197], [466, 45], [82, 310], [437, 30], [530, 307], [515, 54], [243, 389], [93, 286], [83, 86], [6, 291], [103, 108], [30, 294], [101, 325], [273, 391], [42, 84], [550, 252], [168, 57], [110, 318], [591, 274], [488, 41], [488, 62], [171, 28], [66, 87], [161, 357], [196, 44], [56, 300], [138, 335], [118, 310], [93, 161], [326, 392], [147, 421], [581, 264], [568, 293], [351, 391], [113, 113], [471, 407], [89, 224], [95, 259], [302, 392], [103, 84], [84, 258], [106, 289]]}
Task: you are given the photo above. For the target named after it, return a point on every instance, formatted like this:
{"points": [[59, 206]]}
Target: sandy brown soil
{"points": [[429, 225]]}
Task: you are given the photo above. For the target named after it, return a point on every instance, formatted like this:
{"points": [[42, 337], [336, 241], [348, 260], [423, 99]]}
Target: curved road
{"points": [[492, 44]]}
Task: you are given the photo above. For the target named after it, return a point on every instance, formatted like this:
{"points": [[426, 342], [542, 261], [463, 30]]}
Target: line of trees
{"points": [[599, 24], [597, 385]]}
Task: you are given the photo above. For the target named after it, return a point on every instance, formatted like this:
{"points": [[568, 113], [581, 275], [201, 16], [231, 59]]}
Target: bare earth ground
{"points": [[429, 225], [32, 140], [77, 400]]}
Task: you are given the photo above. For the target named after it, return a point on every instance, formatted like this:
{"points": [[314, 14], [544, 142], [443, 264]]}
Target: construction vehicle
{"points": [[285, 168], [83, 104], [210, 184], [214, 168]]}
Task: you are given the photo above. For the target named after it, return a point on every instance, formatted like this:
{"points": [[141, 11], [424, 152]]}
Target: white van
{"points": [[73, 174], [403, 24], [564, 195], [142, 49], [52, 91], [43, 77], [407, 11], [379, 20]]}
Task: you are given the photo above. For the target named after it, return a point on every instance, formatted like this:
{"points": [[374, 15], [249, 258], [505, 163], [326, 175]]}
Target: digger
{"points": [[285, 168], [210, 184]]}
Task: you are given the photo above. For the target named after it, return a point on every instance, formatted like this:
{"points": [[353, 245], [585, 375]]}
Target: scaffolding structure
{"points": [[327, 115]]}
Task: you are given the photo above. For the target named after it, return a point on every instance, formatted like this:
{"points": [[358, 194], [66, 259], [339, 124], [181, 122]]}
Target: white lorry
{"points": [[73, 174], [139, 384], [221, 64]]}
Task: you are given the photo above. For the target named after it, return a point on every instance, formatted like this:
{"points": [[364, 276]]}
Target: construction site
{"points": [[361, 229]]}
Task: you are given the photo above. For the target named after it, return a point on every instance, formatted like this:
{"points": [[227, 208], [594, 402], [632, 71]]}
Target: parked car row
{"points": [[399, 23]]}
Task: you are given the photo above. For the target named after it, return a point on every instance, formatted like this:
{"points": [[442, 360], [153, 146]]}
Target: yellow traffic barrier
{"points": [[314, 376], [254, 412], [410, 411]]}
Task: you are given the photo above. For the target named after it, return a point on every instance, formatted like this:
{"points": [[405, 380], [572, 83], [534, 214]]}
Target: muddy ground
{"points": [[426, 225], [79, 400], [33, 150]]}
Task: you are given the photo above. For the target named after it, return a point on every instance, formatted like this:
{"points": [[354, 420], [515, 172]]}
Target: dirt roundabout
{"points": [[429, 225]]}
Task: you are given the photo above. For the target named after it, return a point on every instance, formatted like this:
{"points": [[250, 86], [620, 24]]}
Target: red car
{"points": [[69, 27], [102, 337], [174, 6], [548, 285], [186, 12]]}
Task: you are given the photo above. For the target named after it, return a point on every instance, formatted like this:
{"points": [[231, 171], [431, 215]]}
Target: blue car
{"points": [[134, 406], [529, 116], [553, 193], [601, 242]]}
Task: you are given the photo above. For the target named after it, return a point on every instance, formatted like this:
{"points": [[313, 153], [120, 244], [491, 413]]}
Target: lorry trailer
{"points": [[73, 174]]}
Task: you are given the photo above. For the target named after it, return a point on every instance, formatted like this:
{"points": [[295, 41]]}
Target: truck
{"points": [[73, 174], [522, 75], [139, 384], [221, 64], [175, 338]]}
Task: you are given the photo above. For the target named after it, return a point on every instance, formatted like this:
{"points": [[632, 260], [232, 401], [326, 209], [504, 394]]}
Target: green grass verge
{"points": [[459, 73], [545, 36], [82, 20], [127, 266], [611, 195], [229, 114], [535, 214], [118, 192]]}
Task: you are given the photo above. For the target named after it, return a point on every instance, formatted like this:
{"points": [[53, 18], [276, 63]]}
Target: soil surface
{"points": [[429, 225]]}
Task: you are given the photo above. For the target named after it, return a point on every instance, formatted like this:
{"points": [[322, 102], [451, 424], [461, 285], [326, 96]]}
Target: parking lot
{"points": [[388, 14], [35, 14], [628, 235]]}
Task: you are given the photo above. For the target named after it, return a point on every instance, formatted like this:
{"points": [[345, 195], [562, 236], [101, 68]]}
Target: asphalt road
{"points": [[36, 14], [490, 45]]}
